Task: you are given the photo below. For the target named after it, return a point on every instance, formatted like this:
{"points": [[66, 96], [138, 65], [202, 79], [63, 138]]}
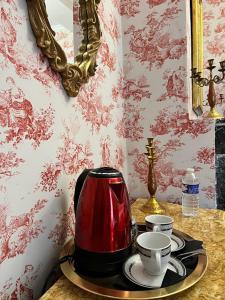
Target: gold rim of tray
{"points": [[69, 271]]}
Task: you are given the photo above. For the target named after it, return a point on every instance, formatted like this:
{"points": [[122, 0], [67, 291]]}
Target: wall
{"points": [[47, 139], [156, 92], [214, 38]]}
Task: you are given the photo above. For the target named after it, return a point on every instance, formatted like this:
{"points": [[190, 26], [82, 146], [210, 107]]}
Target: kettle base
{"points": [[100, 264]]}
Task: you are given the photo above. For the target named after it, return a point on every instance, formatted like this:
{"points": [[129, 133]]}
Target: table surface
{"points": [[208, 226]]}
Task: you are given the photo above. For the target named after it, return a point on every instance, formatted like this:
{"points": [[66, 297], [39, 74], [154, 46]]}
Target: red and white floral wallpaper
{"points": [[156, 70], [47, 139]]}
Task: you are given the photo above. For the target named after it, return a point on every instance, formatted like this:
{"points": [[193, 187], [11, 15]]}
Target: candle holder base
{"points": [[152, 207], [214, 114]]}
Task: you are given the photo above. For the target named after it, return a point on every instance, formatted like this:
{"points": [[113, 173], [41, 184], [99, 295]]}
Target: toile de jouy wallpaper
{"points": [[157, 95], [47, 139]]}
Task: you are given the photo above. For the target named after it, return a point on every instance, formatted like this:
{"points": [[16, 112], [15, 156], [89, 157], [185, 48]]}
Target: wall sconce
{"points": [[200, 81]]}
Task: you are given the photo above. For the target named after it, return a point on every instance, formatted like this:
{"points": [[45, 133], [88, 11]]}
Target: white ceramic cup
{"points": [[159, 223], [154, 249]]}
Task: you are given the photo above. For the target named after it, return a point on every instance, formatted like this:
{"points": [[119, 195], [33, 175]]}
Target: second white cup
{"points": [[159, 223]]}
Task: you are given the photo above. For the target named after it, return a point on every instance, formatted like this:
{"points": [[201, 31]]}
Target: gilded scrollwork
{"points": [[73, 75]]}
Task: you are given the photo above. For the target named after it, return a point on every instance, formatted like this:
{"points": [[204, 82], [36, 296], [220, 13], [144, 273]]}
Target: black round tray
{"points": [[119, 287]]}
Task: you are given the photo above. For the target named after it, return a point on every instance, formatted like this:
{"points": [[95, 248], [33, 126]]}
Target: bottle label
{"points": [[190, 188]]}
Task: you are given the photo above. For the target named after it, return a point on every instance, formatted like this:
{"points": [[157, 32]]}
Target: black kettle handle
{"points": [[78, 187]]}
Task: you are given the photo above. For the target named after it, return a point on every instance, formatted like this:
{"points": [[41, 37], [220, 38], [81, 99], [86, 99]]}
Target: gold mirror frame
{"points": [[73, 75], [197, 53]]}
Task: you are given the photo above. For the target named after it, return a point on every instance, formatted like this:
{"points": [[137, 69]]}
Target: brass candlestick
{"points": [[151, 206]]}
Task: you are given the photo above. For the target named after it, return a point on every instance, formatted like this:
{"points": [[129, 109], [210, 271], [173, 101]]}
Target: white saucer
{"points": [[177, 243], [133, 269]]}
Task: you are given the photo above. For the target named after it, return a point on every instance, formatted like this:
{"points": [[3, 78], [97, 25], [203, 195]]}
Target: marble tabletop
{"points": [[208, 226]]}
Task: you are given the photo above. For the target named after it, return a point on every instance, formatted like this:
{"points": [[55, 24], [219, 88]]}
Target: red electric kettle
{"points": [[103, 222]]}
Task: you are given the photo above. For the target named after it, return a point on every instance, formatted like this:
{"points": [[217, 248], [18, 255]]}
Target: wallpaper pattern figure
{"points": [[47, 139]]}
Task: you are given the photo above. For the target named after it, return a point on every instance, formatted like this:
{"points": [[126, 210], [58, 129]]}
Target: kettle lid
{"points": [[105, 172]]}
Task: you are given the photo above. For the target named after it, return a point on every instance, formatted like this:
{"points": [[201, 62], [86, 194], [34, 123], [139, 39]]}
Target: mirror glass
{"points": [[63, 18]]}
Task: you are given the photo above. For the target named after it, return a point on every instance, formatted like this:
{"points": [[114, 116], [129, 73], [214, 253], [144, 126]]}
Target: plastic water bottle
{"points": [[190, 194]]}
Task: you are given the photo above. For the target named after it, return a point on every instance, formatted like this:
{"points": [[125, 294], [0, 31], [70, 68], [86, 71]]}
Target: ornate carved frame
{"points": [[197, 52], [73, 75]]}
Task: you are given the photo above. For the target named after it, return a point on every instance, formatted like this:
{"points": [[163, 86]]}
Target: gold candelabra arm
{"points": [[222, 70]]}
